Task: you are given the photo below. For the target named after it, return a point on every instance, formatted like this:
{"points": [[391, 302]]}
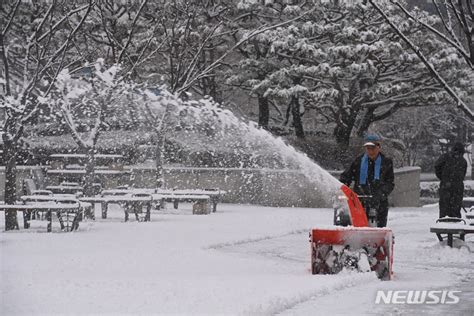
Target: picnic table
{"points": [[175, 196], [128, 201], [61, 160], [86, 208], [128, 191], [200, 206], [65, 189], [213, 195], [48, 207], [458, 228]]}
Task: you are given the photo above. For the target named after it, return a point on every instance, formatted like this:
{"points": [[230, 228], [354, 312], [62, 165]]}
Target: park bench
{"points": [[32, 194], [66, 183], [72, 167], [191, 195], [48, 207], [85, 208], [201, 203], [129, 202], [42, 192], [30, 188], [214, 195], [468, 206], [126, 190], [134, 199], [450, 227], [65, 189]]}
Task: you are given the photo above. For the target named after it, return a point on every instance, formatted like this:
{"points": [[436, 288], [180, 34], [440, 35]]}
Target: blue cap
{"points": [[372, 140]]}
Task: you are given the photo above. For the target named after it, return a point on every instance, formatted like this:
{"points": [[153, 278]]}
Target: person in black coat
{"points": [[450, 169], [372, 174]]}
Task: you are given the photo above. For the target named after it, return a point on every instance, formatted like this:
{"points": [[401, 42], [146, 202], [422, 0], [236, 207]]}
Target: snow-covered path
{"points": [[243, 259]]}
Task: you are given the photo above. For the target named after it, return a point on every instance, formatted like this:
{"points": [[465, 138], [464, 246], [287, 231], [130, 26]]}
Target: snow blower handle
{"points": [[356, 209]]}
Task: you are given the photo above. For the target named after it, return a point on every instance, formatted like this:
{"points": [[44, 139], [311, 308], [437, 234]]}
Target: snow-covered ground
{"points": [[243, 259]]}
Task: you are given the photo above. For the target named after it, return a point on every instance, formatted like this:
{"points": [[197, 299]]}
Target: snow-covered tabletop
{"points": [[63, 187], [128, 191], [115, 198], [164, 191], [39, 206], [191, 192], [56, 197], [180, 196], [60, 156], [83, 171], [439, 227]]}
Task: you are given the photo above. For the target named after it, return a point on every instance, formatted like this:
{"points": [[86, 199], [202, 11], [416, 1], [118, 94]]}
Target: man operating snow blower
{"points": [[353, 242], [372, 174]]}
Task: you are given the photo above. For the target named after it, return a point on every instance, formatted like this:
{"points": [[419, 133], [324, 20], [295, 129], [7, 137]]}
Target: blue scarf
{"points": [[364, 169]]}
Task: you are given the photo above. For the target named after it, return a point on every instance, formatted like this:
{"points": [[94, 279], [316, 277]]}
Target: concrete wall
{"points": [[270, 187], [256, 186], [264, 187], [407, 187]]}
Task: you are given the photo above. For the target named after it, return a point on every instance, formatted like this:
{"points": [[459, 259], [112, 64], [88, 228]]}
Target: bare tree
{"points": [[33, 54], [464, 16]]}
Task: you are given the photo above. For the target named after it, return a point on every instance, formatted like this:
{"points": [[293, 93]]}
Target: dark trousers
{"points": [[381, 208], [450, 201], [382, 214]]}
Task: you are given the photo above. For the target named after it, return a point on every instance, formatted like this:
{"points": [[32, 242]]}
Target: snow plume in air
{"points": [[204, 125]]}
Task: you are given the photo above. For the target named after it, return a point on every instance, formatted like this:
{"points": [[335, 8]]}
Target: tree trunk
{"points": [[90, 172], [365, 123], [263, 112], [342, 134], [10, 156], [295, 112], [159, 162]]}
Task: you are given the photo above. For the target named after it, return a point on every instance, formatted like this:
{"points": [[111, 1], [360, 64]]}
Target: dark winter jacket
{"points": [[451, 168], [380, 189]]}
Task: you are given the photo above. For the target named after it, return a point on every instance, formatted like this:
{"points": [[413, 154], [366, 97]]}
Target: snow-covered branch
{"points": [[459, 102]]}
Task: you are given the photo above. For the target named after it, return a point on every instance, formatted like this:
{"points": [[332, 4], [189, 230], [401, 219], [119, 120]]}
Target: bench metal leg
{"points": [[440, 238], [89, 212], [76, 220], [148, 212], [126, 209], [450, 240], [462, 237], [137, 208], [49, 218], [175, 204], [60, 219], [104, 206], [214, 206], [26, 219]]}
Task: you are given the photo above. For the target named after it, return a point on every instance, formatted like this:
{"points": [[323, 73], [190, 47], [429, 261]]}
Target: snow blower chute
{"points": [[357, 247]]}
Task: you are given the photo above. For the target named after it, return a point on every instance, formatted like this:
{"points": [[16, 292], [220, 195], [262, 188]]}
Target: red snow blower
{"points": [[351, 244]]}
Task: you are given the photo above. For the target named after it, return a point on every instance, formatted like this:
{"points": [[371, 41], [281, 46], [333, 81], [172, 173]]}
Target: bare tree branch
{"points": [[130, 33], [217, 62], [453, 43], [459, 102], [11, 16]]}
